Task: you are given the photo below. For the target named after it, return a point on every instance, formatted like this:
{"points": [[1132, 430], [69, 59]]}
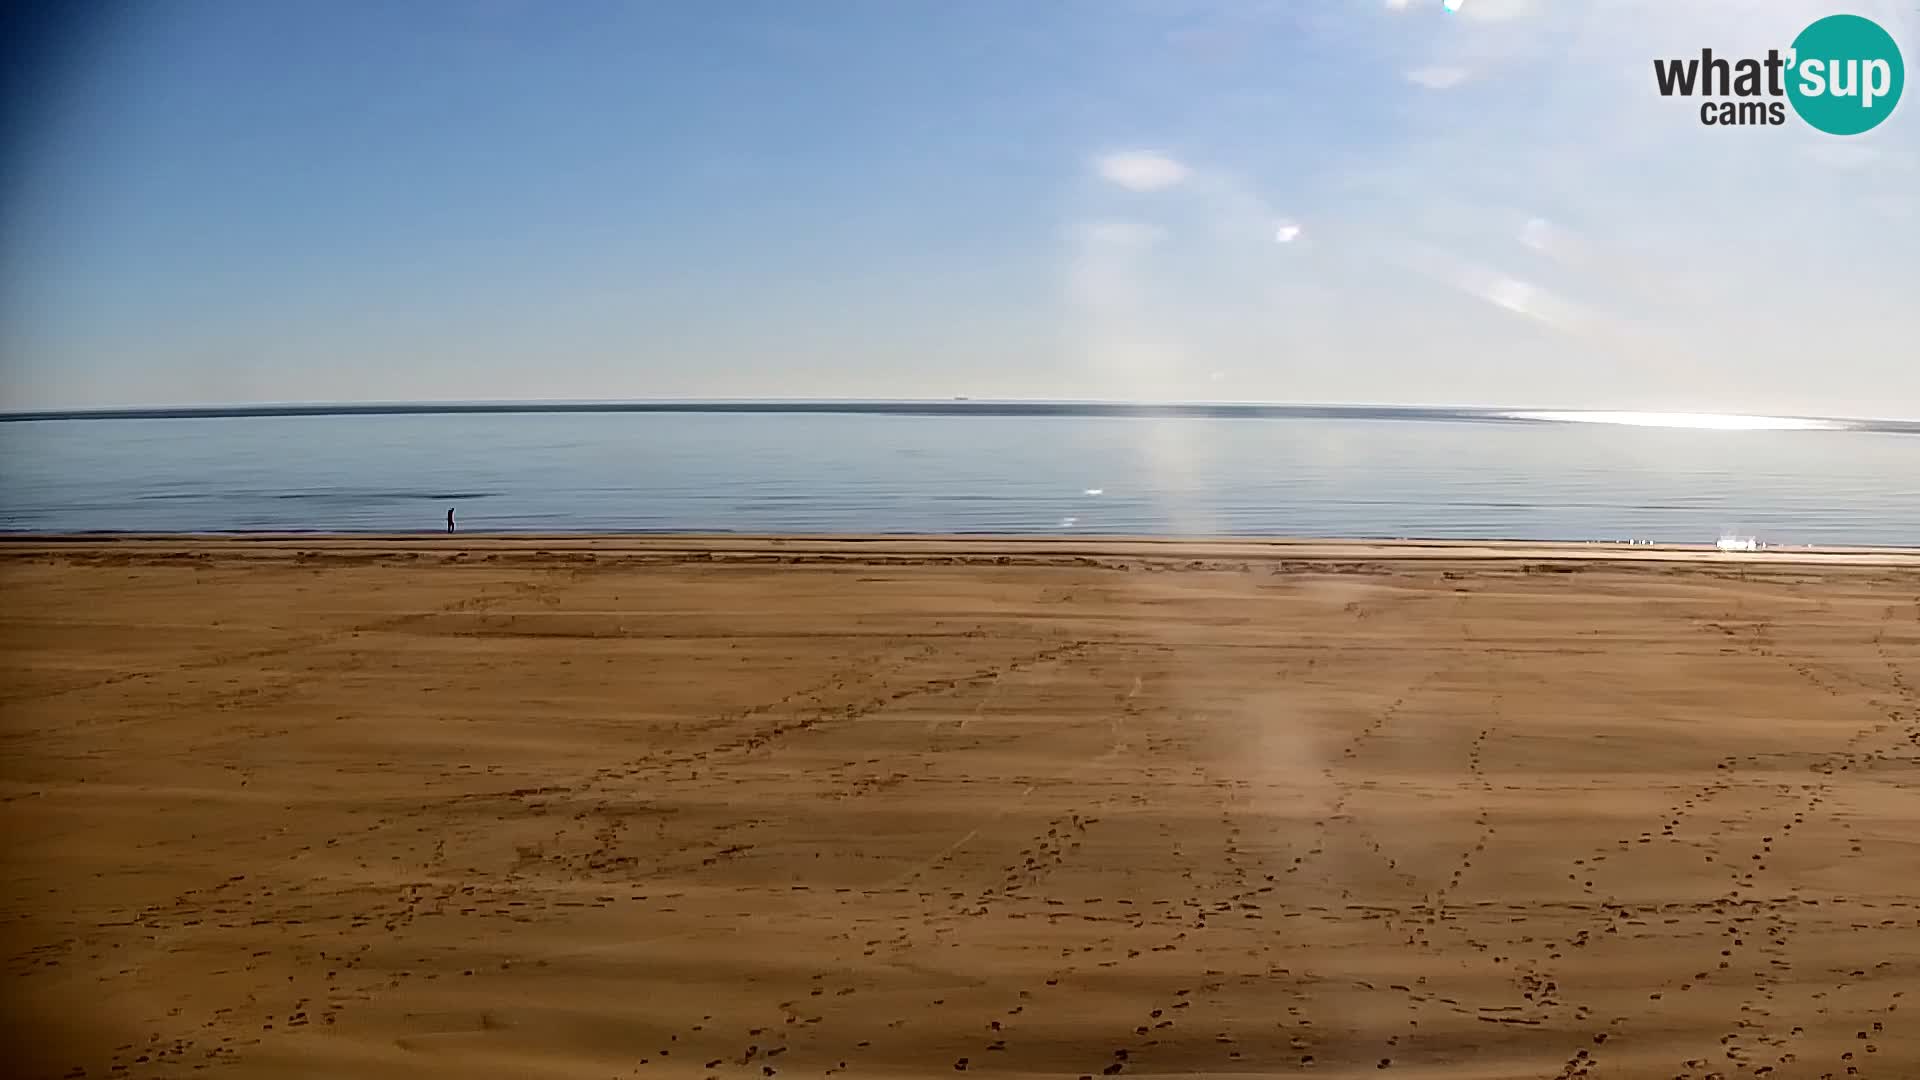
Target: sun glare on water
{"points": [[1703, 421]]}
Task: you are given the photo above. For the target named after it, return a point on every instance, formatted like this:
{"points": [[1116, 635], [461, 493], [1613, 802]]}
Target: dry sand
{"points": [[620, 808]]}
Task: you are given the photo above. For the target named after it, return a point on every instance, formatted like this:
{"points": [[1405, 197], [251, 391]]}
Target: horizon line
{"points": [[963, 406]]}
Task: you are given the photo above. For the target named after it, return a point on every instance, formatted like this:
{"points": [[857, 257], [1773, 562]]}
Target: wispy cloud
{"points": [[1437, 78], [1530, 242], [1495, 10], [1478, 9], [1141, 170]]}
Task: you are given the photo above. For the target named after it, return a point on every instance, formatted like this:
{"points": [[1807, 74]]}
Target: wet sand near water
{"points": [[731, 808]]}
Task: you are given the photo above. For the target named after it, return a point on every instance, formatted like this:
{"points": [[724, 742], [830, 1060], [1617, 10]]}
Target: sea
{"points": [[863, 468]]}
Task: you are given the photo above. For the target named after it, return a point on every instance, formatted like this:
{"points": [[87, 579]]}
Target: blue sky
{"points": [[1311, 201]]}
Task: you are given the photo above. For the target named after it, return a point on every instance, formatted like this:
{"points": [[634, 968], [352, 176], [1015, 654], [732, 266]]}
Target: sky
{"points": [[1309, 201]]}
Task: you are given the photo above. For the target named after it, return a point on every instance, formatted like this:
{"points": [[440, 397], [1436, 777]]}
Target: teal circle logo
{"points": [[1846, 75]]}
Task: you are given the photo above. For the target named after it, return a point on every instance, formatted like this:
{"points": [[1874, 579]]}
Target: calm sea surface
{"points": [[1005, 474]]}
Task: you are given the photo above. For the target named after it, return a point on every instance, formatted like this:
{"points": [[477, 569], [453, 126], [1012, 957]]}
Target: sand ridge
{"points": [[741, 807]]}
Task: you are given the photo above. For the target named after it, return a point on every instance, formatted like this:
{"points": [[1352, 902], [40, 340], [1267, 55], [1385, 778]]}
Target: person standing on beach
{"points": [[449, 519]]}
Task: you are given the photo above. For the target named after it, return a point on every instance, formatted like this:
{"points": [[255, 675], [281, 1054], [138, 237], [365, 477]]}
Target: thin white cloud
{"points": [[1437, 78], [1496, 10], [1141, 170], [1500, 289], [1553, 241]]}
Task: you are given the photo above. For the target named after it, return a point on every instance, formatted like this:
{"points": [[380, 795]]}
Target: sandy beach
{"points": [[699, 808]]}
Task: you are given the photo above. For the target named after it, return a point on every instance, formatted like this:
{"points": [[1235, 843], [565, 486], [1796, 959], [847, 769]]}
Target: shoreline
{"points": [[853, 546]]}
